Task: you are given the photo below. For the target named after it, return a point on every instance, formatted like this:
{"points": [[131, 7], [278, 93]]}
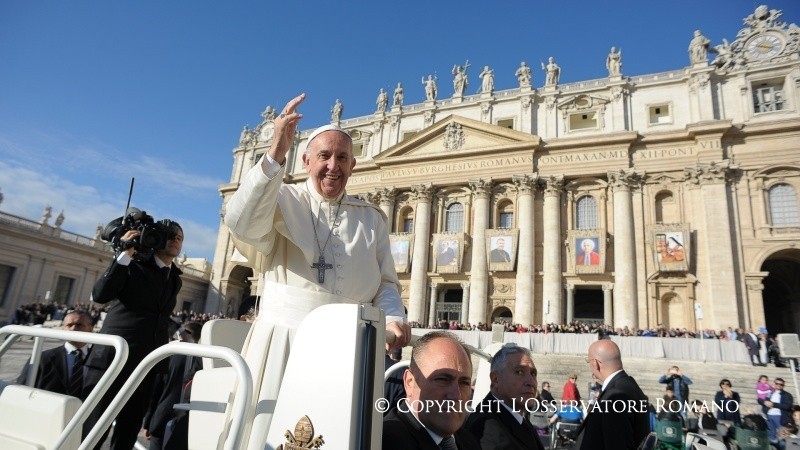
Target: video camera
{"points": [[152, 235]]}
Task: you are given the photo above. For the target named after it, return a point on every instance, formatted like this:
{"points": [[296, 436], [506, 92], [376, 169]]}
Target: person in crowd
{"points": [[61, 369], [308, 238], [751, 343], [165, 427], [703, 419], [763, 390], [545, 393], [143, 292], [594, 388], [500, 421], [669, 403], [567, 413], [605, 428], [727, 403], [438, 384], [779, 410], [680, 385], [570, 392]]}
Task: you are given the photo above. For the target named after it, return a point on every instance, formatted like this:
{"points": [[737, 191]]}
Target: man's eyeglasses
{"points": [[779, 384], [589, 360]]}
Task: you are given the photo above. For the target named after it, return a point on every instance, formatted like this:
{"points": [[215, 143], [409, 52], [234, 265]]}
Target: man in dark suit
{"points": [[142, 292], [752, 345], [438, 384], [606, 428], [58, 367], [500, 422]]}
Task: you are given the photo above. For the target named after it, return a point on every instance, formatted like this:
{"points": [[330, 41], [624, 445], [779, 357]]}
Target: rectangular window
{"points": [[358, 149], [506, 123], [768, 97], [583, 121], [658, 114], [63, 291], [408, 135], [506, 220], [6, 277], [408, 225]]}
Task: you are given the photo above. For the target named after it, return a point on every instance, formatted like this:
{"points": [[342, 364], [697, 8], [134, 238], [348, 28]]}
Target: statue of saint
{"points": [[60, 219], [268, 114], [523, 74], [460, 79], [552, 72], [614, 62], [698, 48], [398, 95], [48, 212], [430, 87], [382, 101], [487, 80], [336, 111]]}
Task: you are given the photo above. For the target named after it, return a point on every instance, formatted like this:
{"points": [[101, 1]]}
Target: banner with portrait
{"points": [[448, 251], [501, 249], [588, 250], [402, 247], [671, 247]]}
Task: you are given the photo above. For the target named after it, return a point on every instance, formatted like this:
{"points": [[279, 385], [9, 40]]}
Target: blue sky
{"points": [[94, 93]]}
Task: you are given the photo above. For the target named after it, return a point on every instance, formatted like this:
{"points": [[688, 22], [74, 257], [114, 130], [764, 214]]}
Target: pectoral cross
{"points": [[321, 267]]}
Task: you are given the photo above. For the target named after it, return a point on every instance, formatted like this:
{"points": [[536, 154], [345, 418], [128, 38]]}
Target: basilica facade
{"points": [[667, 199]]}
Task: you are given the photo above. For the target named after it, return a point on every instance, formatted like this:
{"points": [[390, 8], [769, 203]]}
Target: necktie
{"points": [[165, 273], [76, 379], [448, 443]]}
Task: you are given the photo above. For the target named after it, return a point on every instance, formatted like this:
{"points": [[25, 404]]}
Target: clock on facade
{"points": [[764, 46]]}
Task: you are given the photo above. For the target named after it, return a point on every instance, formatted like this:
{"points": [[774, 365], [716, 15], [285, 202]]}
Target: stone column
{"points": [[479, 273], [553, 246], [464, 301], [523, 306], [440, 213], [387, 204], [625, 304], [608, 310], [717, 243], [432, 306], [419, 266], [755, 297], [570, 302]]}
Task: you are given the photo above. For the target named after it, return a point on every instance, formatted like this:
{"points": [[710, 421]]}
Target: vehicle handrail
{"points": [[120, 356], [241, 400]]}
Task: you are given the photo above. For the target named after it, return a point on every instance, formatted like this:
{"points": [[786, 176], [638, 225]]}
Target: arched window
{"points": [[666, 208], [783, 206], [505, 215], [454, 218], [586, 213]]}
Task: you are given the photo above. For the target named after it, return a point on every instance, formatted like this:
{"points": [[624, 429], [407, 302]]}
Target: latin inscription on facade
{"points": [[521, 162]]}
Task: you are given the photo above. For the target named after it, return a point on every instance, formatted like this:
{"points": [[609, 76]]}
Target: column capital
{"points": [[422, 192], [525, 184], [552, 185], [481, 188], [712, 173], [623, 180], [433, 285], [465, 285], [569, 287], [387, 195], [608, 286], [373, 197]]}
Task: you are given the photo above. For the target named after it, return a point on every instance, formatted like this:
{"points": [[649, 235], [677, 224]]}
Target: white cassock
{"points": [[277, 222]]}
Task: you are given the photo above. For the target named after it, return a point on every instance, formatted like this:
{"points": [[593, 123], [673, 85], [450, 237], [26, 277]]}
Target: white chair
{"points": [[34, 419], [705, 440]]}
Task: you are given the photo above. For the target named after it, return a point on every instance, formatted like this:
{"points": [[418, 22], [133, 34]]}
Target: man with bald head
{"points": [[618, 420], [438, 385]]}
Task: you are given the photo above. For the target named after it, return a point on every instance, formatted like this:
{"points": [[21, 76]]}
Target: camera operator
{"points": [[141, 285]]}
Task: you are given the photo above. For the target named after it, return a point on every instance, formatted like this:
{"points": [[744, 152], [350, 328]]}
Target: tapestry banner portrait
{"points": [[588, 250], [501, 249], [402, 247]]}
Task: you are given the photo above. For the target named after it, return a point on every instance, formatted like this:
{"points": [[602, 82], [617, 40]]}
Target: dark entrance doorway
{"points": [[588, 303], [782, 293], [450, 308]]}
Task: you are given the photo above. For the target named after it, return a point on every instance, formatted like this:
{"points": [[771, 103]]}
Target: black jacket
{"points": [[141, 301], [53, 375], [402, 431], [497, 429], [605, 429]]}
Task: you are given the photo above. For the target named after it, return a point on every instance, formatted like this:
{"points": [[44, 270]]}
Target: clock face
{"points": [[764, 47]]}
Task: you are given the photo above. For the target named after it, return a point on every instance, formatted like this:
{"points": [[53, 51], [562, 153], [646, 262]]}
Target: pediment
{"points": [[458, 135], [582, 102]]}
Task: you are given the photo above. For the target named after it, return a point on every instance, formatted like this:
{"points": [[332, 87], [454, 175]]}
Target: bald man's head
{"points": [[604, 358]]}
